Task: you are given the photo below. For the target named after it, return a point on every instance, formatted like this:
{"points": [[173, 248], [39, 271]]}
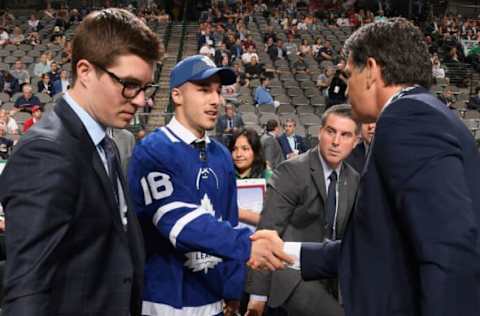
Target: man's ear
{"points": [[177, 96], [374, 72], [85, 70]]}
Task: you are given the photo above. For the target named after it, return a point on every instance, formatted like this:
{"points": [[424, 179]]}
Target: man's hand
{"points": [[255, 308], [267, 251], [231, 308]]}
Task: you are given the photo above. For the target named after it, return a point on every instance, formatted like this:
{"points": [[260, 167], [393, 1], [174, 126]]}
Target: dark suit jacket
{"points": [[41, 87], [412, 246], [295, 208], [68, 253], [272, 150], [273, 52], [301, 146], [357, 157], [222, 124]]}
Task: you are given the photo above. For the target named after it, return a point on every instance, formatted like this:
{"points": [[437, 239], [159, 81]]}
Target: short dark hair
{"points": [[343, 110], [106, 34], [397, 46], [271, 125], [258, 164]]}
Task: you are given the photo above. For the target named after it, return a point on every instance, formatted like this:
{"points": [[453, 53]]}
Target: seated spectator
{"points": [[42, 66], [325, 79], [292, 144], [4, 37], [316, 47], [338, 86], [236, 50], [57, 36], [305, 48], [447, 97], [325, 52], [262, 94], [268, 44], [248, 54], [20, 73], [437, 70], [290, 46], [54, 73], [249, 42], [33, 39], [17, 37], [277, 51], [33, 24], [11, 126], [227, 124], [253, 69], [45, 85], [207, 50], [222, 56], [37, 113], [27, 100], [62, 84], [8, 83], [6, 144], [249, 162]]}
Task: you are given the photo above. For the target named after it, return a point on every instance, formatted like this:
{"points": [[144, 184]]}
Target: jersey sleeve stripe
{"points": [[170, 207], [183, 221]]}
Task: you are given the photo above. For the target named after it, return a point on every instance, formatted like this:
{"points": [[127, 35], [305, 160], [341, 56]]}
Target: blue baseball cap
{"points": [[199, 67]]}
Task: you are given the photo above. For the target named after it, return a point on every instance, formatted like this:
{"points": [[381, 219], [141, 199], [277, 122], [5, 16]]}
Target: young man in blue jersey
{"points": [[183, 188]]}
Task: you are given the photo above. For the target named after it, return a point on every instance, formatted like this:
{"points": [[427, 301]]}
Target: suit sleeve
{"points": [[420, 159], [283, 195], [320, 260], [161, 193], [39, 198]]}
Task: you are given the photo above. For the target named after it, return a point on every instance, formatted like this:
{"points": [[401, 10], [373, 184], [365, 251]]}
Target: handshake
{"points": [[267, 252]]}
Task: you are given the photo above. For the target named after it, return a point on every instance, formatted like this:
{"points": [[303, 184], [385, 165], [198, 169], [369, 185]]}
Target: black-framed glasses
{"points": [[130, 89]]}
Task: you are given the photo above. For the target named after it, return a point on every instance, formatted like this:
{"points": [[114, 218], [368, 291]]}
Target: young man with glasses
{"points": [[184, 193], [74, 246]]}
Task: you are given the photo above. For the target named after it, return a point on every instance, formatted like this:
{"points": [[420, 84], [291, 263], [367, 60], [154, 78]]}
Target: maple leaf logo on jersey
{"points": [[198, 261]]}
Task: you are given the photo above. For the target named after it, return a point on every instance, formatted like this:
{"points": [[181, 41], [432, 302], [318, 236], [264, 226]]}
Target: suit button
{"points": [[127, 280]]}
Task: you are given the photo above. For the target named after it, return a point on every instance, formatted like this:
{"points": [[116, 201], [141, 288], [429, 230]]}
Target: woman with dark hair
{"points": [[247, 155]]}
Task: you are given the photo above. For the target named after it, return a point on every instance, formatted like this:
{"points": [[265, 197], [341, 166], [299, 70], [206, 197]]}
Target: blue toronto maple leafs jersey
{"points": [[187, 208]]}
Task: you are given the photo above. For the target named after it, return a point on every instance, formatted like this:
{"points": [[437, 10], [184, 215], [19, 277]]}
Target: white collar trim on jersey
{"points": [[183, 133]]}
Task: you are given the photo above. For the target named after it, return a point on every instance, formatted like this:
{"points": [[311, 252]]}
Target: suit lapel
{"points": [[77, 129], [317, 173]]}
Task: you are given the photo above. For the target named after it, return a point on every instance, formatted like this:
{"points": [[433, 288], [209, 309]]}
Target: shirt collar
{"points": [[94, 129], [183, 133], [397, 95], [326, 168]]}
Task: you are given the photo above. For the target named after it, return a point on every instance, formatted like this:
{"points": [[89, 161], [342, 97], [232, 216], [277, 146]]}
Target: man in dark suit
{"points": [[271, 146], [73, 244], [359, 154], [227, 124], [298, 204], [292, 144], [412, 245]]}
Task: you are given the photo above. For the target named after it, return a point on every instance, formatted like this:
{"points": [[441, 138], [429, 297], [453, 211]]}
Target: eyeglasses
{"points": [[131, 88]]}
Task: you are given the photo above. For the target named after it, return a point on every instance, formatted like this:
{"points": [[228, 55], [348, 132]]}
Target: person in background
{"points": [[37, 113], [359, 154], [227, 124], [249, 161], [292, 144]]}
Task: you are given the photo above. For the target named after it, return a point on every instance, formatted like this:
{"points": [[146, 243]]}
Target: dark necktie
{"points": [[331, 204], [112, 162], [201, 146]]}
